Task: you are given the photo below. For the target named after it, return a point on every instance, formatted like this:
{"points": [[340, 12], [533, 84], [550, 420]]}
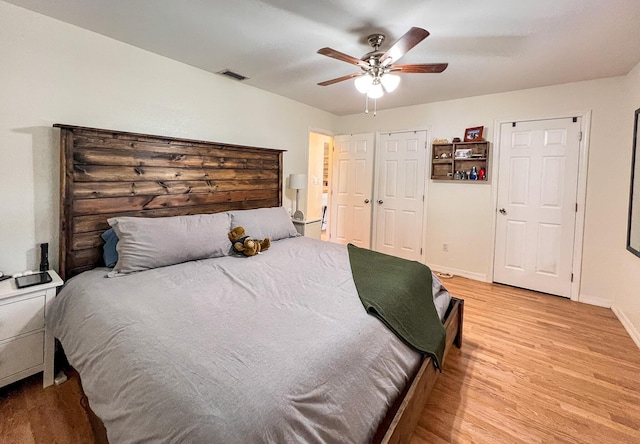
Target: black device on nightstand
{"points": [[29, 280], [44, 257]]}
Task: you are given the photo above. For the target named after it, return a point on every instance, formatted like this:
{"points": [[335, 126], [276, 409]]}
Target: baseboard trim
{"points": [[467, 274], [626, 323], [600, 302]]}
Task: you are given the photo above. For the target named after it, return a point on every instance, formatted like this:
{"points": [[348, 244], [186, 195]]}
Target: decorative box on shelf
{"points": [[460, 161], [26, 345]]}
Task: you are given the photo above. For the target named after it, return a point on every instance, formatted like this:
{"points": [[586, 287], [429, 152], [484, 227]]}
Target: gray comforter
{"points": [[273, 348]]}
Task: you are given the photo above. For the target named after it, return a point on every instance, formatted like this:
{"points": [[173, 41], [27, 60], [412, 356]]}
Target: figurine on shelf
{"points": [[473, 174], [456, 140], [482, 174]]}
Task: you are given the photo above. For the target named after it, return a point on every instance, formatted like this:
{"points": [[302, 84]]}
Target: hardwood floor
{"points": [[533, 368], [31, 415]]}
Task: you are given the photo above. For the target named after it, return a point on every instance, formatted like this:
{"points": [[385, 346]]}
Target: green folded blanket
{"points": [[398, 292]]}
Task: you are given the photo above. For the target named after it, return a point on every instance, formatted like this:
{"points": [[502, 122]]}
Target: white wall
{"points": [[462, 214], [626, 292], [53, 72]]}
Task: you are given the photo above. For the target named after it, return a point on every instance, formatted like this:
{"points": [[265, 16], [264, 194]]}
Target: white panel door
{"points": [[352, 184], [400, 194], [538, 177]]}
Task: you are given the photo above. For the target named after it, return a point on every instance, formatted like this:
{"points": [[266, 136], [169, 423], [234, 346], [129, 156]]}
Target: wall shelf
{"points": [[476, 154]]}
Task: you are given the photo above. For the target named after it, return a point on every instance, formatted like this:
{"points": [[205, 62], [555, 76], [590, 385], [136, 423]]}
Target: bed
{"points": [[317, 377]]}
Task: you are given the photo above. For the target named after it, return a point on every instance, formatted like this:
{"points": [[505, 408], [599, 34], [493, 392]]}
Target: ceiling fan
{"points": [[378, 68]]}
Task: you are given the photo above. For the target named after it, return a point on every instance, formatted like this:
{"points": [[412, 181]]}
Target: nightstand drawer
{"points": [[21, 354], [21, 317]]}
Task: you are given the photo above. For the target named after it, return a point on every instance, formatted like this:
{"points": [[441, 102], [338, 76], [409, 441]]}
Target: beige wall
{"points": [[53, 72], [463, 215]]}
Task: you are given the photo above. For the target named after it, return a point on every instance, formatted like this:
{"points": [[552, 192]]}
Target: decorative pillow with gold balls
{"points": [[243, 244]]}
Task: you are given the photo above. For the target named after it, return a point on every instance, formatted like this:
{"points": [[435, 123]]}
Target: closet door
{"points": [[400, 184], [351, 190]]}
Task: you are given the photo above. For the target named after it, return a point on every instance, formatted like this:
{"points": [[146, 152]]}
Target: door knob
{"points": [[380, 202], [503, 211], [366, 201]]}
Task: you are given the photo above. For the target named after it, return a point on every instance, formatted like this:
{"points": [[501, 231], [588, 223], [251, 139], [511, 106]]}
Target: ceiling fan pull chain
{"points": [[366, 104], [375, 107]]}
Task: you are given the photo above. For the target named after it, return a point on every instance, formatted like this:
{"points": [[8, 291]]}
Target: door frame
{"points": [[581, 196], [427, 175]]}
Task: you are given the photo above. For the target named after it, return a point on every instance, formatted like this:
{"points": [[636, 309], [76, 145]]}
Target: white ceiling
{"points": [[491, 45]]}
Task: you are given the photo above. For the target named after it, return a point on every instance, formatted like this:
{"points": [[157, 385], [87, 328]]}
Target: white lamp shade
{"points": [[375, 92], [390, 82], [297, 181], [363, 83]]}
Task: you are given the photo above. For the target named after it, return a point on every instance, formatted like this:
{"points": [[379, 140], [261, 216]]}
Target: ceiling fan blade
{"points": [[425, 68], [404, 44], [340, 79], [342, 57]]}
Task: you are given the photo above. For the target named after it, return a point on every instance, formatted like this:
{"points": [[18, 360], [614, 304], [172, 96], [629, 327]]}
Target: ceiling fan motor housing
{"points": [[375, 40]]}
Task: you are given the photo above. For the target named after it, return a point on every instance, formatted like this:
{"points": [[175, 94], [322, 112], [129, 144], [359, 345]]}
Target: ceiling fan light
{"points": [[375, 92], [390, 82], [363, 83]]}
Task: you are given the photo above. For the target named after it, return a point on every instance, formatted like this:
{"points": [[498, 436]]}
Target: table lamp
{"points": [[298, 182]]}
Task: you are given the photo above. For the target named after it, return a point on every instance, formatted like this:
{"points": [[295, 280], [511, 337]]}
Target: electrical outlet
{"points": [[445, 247]]}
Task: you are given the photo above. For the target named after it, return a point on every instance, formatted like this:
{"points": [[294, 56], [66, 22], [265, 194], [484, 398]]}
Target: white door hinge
{"points": [[571, 277], [580, 137]]}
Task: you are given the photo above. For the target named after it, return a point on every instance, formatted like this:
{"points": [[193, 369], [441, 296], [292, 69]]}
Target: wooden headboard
{"points": [[107, 173]]}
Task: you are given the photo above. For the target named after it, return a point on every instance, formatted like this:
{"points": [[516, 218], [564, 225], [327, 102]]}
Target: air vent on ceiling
{"points": [[233, 75]]}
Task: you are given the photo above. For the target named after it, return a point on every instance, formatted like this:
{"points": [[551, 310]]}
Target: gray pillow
{"points": [[146, 243], [274, 223]]}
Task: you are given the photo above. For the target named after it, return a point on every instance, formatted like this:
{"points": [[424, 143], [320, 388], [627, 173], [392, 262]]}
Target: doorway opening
{"points": [[318, 186]]}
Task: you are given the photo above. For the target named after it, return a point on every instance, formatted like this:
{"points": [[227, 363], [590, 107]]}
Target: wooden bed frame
{"points": [[106, 173]]}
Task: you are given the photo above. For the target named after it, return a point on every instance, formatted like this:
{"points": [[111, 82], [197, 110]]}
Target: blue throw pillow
{"points": [[109, 252]]}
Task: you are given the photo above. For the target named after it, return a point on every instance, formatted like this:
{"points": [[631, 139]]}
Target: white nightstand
{"points": [[309, 228], [26, 345]]}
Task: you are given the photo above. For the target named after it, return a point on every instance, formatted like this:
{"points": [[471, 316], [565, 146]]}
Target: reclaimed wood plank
{"points": [[110, 173], [163, 146], [216, 159], [137, 203], [84, 190]]}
